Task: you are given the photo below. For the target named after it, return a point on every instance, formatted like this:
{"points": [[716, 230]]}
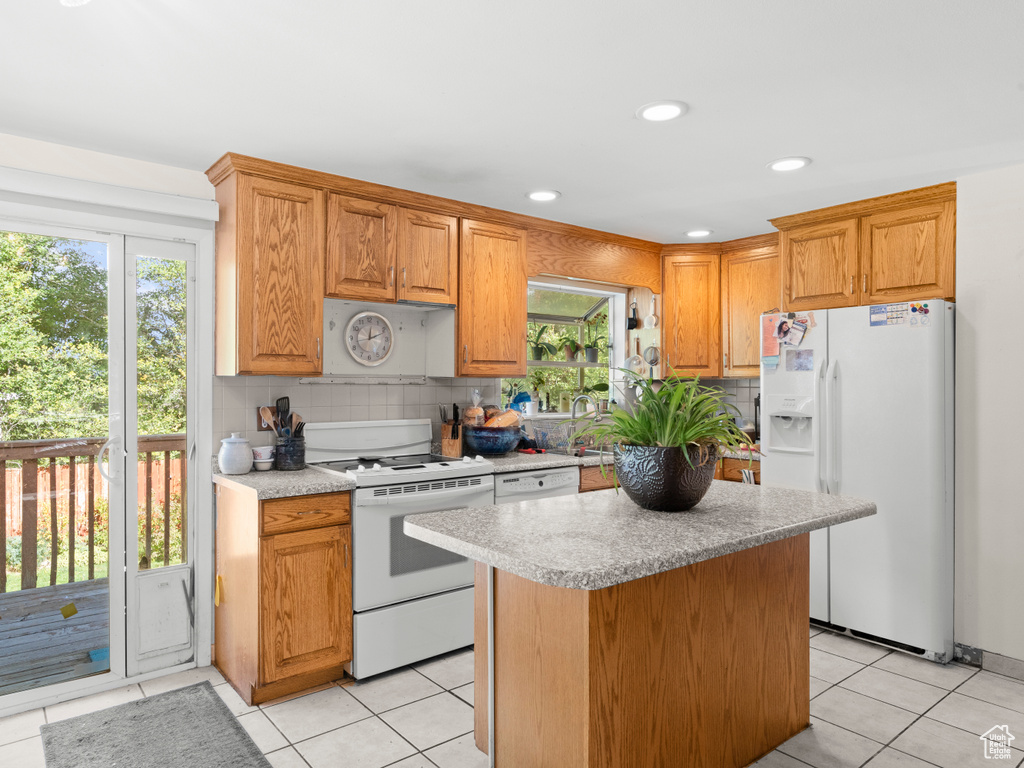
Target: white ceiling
{"points": [[483, 101]]}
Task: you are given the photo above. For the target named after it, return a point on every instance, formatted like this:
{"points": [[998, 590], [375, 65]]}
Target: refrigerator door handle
{"points": [[819, 426], [832, 425]]}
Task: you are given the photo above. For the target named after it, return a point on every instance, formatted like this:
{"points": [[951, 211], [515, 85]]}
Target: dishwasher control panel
{"points": [[536, 484]]}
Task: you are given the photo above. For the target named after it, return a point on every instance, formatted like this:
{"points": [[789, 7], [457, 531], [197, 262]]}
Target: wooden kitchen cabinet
{"points": [[751, 286], [820, 266], [691, 335], [269, 266], [283, 616], [380, 252], [896, 248], [909, 254], [362, 249], [593, 479], [491, 327]]}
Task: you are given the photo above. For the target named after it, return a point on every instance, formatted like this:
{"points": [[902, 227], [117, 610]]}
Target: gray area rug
{"points": [[190, 727]]}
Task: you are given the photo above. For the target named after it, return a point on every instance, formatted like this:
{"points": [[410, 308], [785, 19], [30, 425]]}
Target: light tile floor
{"points": [[869, 707]]}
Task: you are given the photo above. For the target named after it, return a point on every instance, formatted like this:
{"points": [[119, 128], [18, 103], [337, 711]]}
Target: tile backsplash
{"points": [[739, 392], [236, 398]]}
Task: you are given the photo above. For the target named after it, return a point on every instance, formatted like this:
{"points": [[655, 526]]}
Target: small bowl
{"points": [[262, 465]]}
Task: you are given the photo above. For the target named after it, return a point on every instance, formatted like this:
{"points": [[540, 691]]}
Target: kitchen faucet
{"points": [[572, 414]]}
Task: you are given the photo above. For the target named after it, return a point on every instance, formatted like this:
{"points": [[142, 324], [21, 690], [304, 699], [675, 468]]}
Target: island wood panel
{"points": [[300, 513], [279, 274], [362, 249], [565, 255], [751, 286], [236, 612], [593, 479], [691, 311], [305, 602], [909, 255], [428, 257], [731, 469], [704, 665], [491, 337], [820, 266]]}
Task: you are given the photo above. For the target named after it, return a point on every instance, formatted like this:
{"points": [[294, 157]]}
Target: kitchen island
{"points": [[624, 637]]}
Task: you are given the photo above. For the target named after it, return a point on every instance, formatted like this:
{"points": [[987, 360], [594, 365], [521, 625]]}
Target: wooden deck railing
{"points": [[61, 479]]}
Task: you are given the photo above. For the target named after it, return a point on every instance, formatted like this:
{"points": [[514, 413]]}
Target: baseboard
{"points": [[1002, 665]]}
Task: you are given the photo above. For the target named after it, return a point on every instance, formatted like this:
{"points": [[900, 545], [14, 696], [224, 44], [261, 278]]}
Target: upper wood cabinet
{"points": [[819, 266], [900, 247], [691, 338], [491, 335], [270, 253], [909, 254], [428, 257], [361, 249], [751, 286], [381, 252]]}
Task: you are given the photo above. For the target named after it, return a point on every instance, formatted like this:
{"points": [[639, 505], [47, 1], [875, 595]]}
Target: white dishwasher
{"points": [[536, 484]]}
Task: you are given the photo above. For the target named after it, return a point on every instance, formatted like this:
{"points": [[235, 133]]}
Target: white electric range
{"points": [[410, 600]]}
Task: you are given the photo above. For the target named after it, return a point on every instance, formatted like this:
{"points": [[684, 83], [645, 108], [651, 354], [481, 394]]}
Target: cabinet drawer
{"points": [[731, 470], [591, 479], [301, 513]]}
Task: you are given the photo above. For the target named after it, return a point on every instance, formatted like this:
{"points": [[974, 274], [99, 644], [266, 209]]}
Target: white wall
{"points": [[989, 395], [74, 163]]}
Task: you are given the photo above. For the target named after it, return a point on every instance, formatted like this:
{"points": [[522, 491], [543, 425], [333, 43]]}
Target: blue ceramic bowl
{"points": [[490, 441]]}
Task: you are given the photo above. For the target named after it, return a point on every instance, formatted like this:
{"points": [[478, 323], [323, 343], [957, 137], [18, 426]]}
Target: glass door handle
{"points": [[99, 459]]}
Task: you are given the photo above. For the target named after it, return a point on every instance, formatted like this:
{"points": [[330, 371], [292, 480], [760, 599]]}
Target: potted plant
{"points": [[666, 449], [538, 347], [570, 343], [590, 346], [537, 382]]}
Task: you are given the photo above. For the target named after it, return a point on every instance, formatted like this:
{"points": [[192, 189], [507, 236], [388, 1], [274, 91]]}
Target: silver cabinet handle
{"points": [[465, 353], [392, 271], [725, 359], [403, 277], [346, 555], [317, 347], [864, 287], [851, 285], [310, 512]]}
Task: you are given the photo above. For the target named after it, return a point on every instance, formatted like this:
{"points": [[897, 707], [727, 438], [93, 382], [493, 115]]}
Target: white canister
{"points": [[235, 455]]}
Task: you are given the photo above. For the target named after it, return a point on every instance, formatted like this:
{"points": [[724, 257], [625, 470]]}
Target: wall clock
{"points": [[369, 338]]}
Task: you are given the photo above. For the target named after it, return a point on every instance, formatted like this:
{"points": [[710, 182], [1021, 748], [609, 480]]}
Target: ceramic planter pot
{"points": [[661, 479], [536, 353], [591, 354]]}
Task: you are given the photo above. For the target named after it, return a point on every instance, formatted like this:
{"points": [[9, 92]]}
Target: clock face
{"points": [[369, 338]]}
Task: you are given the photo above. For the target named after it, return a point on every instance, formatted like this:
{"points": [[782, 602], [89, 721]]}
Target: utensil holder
{"points": [[451, 447], [290, 453]]}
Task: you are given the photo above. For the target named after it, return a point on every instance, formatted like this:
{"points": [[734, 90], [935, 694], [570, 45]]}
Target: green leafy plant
{"points": [[537, 380], [539, 347], [571, 344], [591, 327], [681, 413]]}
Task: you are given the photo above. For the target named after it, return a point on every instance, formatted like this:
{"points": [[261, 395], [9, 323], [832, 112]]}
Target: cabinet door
{"points": [[305, 602], [819, 266], [692, 332], [492, 300], [428, 257], [908, 255], [361, 249], [751, 285], [279, 277]]}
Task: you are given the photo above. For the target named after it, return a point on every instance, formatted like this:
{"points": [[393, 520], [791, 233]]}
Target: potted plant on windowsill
{"points": [[590, 345], [538, 347], [571, 345], [667, 447]]}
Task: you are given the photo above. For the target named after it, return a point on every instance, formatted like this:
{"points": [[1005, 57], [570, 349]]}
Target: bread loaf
{"points": [[505, 419]]}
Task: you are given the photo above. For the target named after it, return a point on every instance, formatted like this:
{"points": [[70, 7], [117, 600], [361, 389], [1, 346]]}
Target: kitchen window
{"points": [[576, 335]]}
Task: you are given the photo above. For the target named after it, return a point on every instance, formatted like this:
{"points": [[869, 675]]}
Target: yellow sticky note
{"points": [[68, 610]]}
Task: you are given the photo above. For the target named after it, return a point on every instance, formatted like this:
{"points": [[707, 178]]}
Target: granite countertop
{"points": [[273, 484], [754, 455], [599, 539]]}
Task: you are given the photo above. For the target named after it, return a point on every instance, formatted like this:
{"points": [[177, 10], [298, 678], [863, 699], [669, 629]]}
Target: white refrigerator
{"points": [[859, 402]]}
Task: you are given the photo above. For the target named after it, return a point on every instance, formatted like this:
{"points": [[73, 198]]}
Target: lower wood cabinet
{"points": [[592, 479], [283, 617]]}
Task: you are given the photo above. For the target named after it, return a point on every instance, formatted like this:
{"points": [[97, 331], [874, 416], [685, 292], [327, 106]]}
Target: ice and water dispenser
{"points": [[790, 422]]}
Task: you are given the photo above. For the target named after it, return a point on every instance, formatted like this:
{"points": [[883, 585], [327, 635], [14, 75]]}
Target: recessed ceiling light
{"points": [[544, 195], [73, 3], [789, 163], [698, 233], [660, 111]]}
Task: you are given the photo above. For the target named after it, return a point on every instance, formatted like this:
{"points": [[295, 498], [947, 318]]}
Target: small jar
{"points": [[235, 455], [290, 453]]}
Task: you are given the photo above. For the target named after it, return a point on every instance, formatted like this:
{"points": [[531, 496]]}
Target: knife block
{"points": [[450, 447]]}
